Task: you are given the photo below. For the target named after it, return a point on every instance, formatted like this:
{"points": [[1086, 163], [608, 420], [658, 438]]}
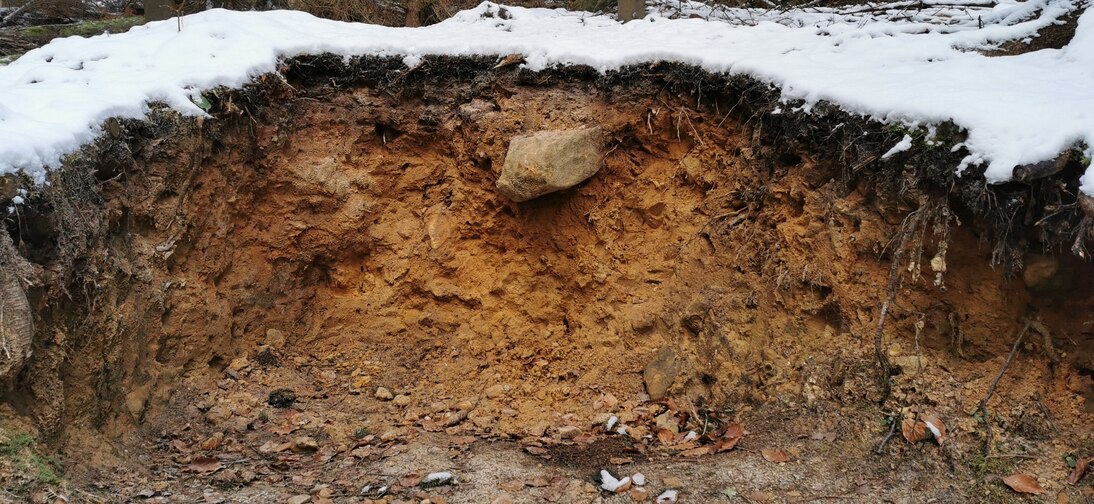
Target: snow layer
{"points": [[919, 68]]}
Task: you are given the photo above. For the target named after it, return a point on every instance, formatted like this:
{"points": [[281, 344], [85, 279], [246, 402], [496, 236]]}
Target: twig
{"points": [[1046, 336], [1011, 455], [919, 325], [885, 440], [884, 367], [983, 406], [1045, 411]]}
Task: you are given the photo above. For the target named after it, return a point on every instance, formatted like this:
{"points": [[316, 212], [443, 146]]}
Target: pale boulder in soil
{"points": [[549, 161]]}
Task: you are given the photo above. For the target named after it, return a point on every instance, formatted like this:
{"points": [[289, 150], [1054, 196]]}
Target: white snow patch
{"points": [[609, 483], [638, 479], [611, 423], [901, 146], [923, 66], [667, 497]]}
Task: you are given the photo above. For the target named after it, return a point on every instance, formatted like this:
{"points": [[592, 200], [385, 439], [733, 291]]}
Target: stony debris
{"points": [[383, 394], [549, 161], [437, 479], [568, 431], [660, 373], [305, 444], [275, 338], [496, 391]]}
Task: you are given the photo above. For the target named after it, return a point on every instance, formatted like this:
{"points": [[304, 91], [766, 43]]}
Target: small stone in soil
{"points": [[384, 394], [305, 444]]}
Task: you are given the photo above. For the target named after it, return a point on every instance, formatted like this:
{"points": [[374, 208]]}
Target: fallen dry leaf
{"points": [[913, 430], [698, 452], [1023, 483], [283, 430], [180, 446], [619, 460], [410, 480], [776, 456], [684, 446], [535, 450], [537, 482], [671, 404], [665, 436], [204, 465], [935, 425], [512, 59], [274, 447], [729, 438], [1080, 469]]}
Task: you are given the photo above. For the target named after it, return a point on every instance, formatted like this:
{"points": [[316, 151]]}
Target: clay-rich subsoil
{"points": [[260, 274]]}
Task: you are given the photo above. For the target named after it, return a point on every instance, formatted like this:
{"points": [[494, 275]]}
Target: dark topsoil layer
{"points": [[1040, 211]]}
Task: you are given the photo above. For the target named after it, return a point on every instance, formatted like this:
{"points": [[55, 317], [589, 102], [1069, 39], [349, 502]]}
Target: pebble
{"points": [[239, 364], [384, 394], [401, 400], [495, 391], [305, 444], [275, 338], [568, 431]]}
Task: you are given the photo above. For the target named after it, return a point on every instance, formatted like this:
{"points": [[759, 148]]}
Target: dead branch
{"points": [[892, 430], [983, 406], [14, 16], [885, 368], [919, 325], [1046, 338]]}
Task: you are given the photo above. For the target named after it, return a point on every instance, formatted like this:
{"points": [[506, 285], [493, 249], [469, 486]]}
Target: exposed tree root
{"points": [[982, 407]]}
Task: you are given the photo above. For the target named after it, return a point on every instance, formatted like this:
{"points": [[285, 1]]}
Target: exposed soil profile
{"points": [[221, 301]]}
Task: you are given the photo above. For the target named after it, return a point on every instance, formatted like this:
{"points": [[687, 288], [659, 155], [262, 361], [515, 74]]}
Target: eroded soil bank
{"points": [[236, 289]]}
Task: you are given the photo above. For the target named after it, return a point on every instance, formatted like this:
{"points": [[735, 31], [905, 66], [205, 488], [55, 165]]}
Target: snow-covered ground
{"points": [[915, 63]]}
